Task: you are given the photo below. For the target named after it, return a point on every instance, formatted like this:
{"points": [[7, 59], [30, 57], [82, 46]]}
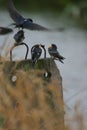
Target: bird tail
{"points": [[61, 61], [61, 58]]}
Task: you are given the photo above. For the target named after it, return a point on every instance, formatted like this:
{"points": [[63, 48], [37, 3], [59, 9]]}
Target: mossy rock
{"points": [[31, 102]]}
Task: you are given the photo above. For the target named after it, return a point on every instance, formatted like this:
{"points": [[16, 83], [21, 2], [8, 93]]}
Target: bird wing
{"points": [[34, 26], [14, 14], [56, 54], [5, 30], [53, 51]]}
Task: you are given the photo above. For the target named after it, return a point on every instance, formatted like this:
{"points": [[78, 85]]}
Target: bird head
{"points": [[30, 20], [53, 46]]}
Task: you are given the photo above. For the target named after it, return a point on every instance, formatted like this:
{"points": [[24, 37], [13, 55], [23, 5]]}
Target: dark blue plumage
{"points": [[5, 30], [19, 36], [54, 53], [35, 53], [21, 21]]}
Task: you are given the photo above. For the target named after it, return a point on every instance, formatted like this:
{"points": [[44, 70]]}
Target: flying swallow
{"points": [[54, 53], [22, 22], [5, 30], [35, 53]]}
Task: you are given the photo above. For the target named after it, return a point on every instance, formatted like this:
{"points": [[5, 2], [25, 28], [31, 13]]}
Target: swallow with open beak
{"points": [[22, 22], [36, 52], [54, 53]]}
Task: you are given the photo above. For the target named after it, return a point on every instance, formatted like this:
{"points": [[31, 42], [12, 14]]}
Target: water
{"points": [[72, 44]]}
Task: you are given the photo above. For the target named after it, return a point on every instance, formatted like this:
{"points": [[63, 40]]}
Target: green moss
{"points": [[42, 124], [1, 120], [50, 102], [26, 65]]}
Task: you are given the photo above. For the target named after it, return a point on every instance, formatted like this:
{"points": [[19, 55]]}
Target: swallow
{"points": [[19, 36], [22, 22], [54, 53], [36, 52], [5, 30]]}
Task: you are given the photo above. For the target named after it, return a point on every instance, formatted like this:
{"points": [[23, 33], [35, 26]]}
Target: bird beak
{"points": [[42, 45]]}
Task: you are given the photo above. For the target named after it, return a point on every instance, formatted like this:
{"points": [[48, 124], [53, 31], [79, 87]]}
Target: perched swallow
{"points": [[19, 36], [35, 53], [54, 53], [5, 30], [22, 22]]}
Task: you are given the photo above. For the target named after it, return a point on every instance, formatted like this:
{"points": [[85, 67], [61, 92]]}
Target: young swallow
{"points": [[19, 36], [35, 53], [54, 53]]}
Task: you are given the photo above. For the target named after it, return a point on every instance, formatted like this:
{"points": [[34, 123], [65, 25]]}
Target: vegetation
{"points": [[46, 5], [29, 102]]}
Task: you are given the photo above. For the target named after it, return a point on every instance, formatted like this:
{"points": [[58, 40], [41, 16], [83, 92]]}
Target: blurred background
{"points": [[69, 19]]}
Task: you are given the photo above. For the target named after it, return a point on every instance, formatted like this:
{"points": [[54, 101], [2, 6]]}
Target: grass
{"points": [[31, 102]]}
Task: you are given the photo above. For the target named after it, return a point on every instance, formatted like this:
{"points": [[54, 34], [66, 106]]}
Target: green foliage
{"points": [[1, 120], [43, 5], [30, 103]]}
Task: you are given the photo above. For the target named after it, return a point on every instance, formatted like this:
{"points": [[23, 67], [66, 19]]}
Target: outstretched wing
{"points": [[5, 30], [14, 14], [34, 26], [20, 20]]}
